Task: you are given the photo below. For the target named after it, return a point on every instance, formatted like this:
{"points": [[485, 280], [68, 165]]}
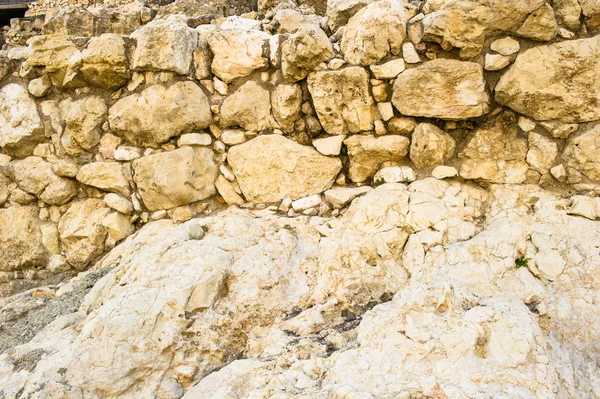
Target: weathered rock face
{"points": [[165, 45], [340, 11], [430, 146], [175, 178], [582, 153], [368, 153], [108, 176], [105, 63], [342, 100], [20, 124], [374, 32], [59, 57], [253, 115], [270, 168], [83, 119], [495, 153], [467, 23], [562, 89], [159, 113], [446, 89], [21, 239], [238, 53], [81, 232], [286, 100], [303, 51], [35, 176]]}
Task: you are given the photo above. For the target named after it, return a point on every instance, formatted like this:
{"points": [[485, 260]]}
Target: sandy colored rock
{"points": [[329, 145], [495, 153], [568, 12], [583, 155], [34, 175], [237, 53], [542, 152], [159, 113], [430, 146], [202, 57], [270, 168], [505, 46], [389, 69], [339, 197], [164, 45], [81, 232], [443, 88], [286, 100], [342, 100], [21, 239], [105, 63], [227, 191], [117, 226], [375, 32], [368, 153], [118, 203], [175, 178], [253, 115], [340, 11], [83, 119], [41, 86], [303, 51], [467, 23], [107, 176], [540, 25], [562, 89], [59, 57], [20, 124]]}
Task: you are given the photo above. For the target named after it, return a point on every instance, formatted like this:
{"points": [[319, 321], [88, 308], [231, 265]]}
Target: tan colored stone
{"points": [[583, 153], [270, 168], [20, 124], [117, 226], [329, 145], [226, 190], [202, 57], [286, 100], [83, 119], [107, 176], [430, 146], [505, 46], [303, 51], [554, 82], [342, 100], [21, 239], [542, 152], [59, 57], [175, 178], [159, 113], [105, 63], [375, 32], [118, 203], [540, 25], [340, 11], [254, 115], [81, 232], [402, 125], [389, 69], [443, 88], [368, 153], [165, 45], [237, 53]]}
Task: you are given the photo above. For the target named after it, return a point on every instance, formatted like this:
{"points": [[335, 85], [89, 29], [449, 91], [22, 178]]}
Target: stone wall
{"points": [[114, 118]]}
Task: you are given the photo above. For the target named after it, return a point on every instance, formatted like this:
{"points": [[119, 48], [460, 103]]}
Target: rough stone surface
{"points": [[175, 178], [430, 146], [375, 32], [21, 239], [342, 100], [238, 53], [303, 51], [340, 11], [368, 153], [165, 45], [554, 82], [107, 176], [270, 168], [83, 119], [582, 153], [446, 89], [20, 124], [253, 115], [159, 113], [286, 100], [105, 62]]}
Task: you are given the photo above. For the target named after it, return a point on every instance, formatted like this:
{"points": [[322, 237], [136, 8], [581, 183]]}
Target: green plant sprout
{"points": [[522, 261]]}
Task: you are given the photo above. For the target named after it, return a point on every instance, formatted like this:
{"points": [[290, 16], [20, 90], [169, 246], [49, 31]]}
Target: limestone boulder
{"points": [[342, 100], [81, 231], [270, 168], [202, 57], [591, 11], [105, 63], [35, 176], [443, 88], [59, 57], [303, 51], [286, 100], [83, 119], [375, 32], [21, 244], [340, 11], [237, 53], [175, 178], [164, 45], [495, 153], [254, 115], [430, 146], [542, 152], [107, 176], [368, 153], [20, 124], [554, 82], [466, 24], [582, 153], [159, 113]]}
